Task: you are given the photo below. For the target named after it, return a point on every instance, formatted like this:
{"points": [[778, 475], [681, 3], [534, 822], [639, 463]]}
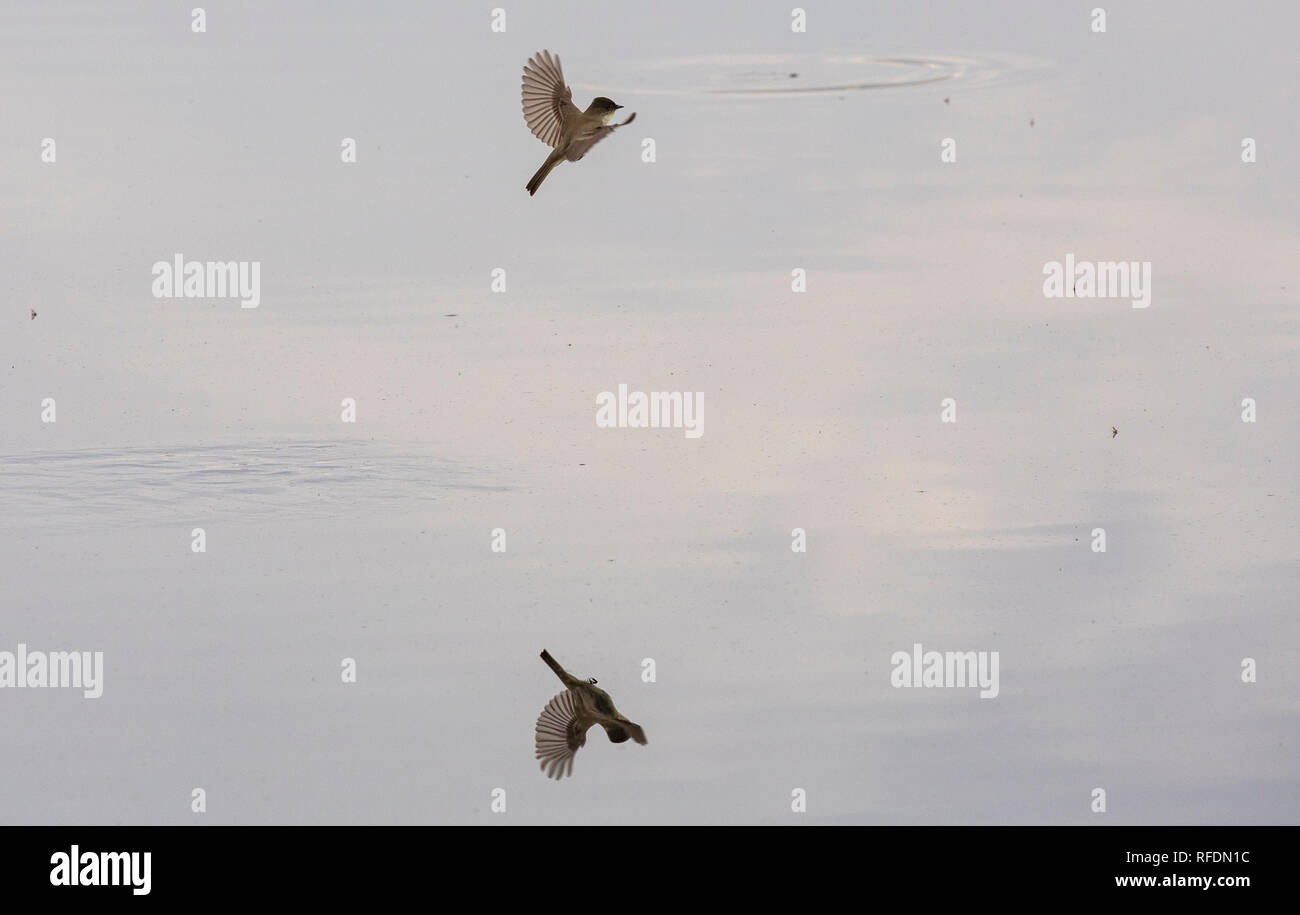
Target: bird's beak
{"points": [[616, 107]]}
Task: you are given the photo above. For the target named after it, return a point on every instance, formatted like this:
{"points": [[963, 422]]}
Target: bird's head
{"points": [[602, 107]]}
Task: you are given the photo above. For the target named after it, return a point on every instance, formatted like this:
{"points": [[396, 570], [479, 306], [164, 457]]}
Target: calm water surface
{"points": [[476, 411]]}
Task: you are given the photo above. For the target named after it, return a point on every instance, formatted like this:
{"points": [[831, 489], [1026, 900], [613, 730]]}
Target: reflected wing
{"points": [[620, 731], [548, 103], [559, 734]]}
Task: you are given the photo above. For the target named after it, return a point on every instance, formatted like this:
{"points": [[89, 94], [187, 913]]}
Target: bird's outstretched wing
{"points": [[548, 103], [559, 735], [585, 139], [619, 731]]}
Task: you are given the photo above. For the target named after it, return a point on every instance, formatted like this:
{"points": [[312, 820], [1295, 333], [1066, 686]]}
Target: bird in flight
{"points": [[1113, 432], [551, 115], [562, 726]]}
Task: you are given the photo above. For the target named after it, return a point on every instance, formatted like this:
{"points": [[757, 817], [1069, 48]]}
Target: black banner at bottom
{"points": [[336, 864]]}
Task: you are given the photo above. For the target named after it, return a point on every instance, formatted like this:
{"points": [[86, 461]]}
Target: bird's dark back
{"points": [[600, 700]]}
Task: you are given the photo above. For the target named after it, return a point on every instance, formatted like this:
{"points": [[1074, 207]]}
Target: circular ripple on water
{"points": [[767, 75]]}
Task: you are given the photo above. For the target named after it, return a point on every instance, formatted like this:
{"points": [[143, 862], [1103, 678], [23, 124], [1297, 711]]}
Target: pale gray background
{"points": [[821, 411]]}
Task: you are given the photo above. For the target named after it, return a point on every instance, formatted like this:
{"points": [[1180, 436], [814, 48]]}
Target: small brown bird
{"points": [[1113, 432], [562, 727], [33, 314], [551, 115]]}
